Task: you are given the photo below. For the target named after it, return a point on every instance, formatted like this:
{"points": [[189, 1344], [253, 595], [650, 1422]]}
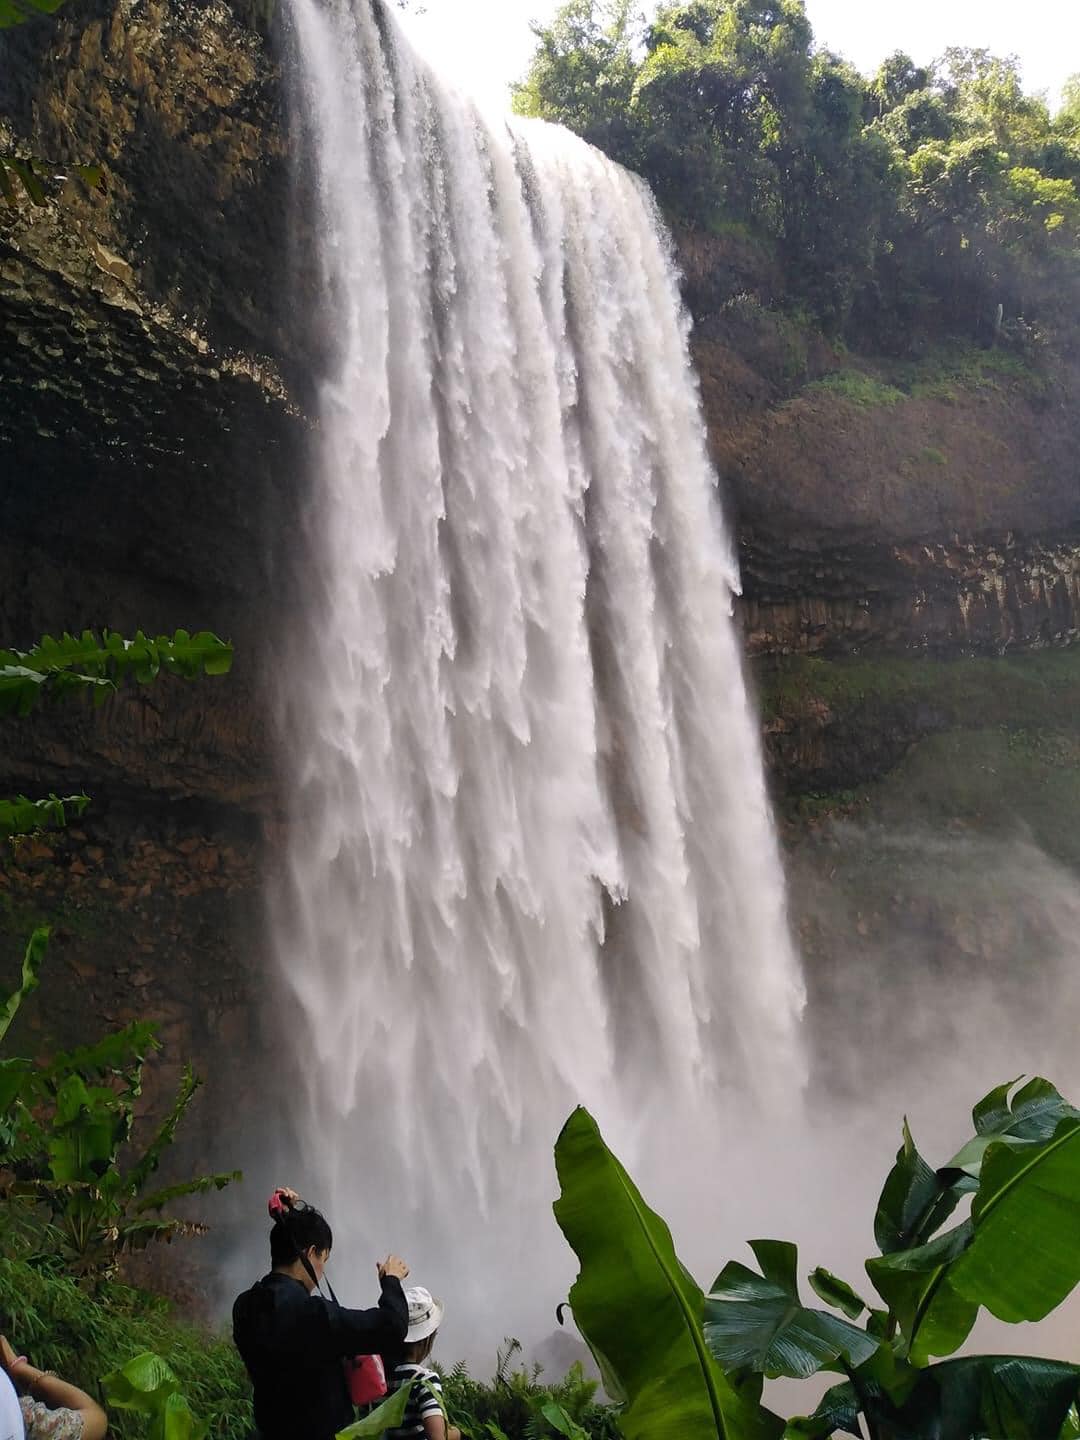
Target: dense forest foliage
{"points": [[929, 200]]}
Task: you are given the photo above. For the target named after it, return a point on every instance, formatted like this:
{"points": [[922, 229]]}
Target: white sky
{"points": [[486, 44]]}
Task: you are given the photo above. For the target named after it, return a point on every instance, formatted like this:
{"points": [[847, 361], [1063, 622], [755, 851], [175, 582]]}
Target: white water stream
{"points": [[532, 862]]}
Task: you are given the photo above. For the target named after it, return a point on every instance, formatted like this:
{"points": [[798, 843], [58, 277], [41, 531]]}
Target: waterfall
{"points": [[532, 861]]}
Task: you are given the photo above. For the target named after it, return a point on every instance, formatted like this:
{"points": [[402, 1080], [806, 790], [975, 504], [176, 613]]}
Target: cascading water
{"points": [[533, 861]]}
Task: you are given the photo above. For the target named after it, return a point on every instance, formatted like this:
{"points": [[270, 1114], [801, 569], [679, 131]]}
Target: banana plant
{"points": [[71, 1145], [638, 1308], [66, 1141], [1017, 1255]]}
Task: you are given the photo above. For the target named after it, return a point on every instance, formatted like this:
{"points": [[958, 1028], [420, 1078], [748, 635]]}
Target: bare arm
{"points": [[57, 1394], [54, 1393], [436, 1428]]}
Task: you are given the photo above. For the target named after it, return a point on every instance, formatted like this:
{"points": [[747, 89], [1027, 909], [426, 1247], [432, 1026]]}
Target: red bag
{"points": [[366, 1378]]}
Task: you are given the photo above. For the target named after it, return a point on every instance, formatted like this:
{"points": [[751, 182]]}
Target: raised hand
{"points": [[394, 1266]]}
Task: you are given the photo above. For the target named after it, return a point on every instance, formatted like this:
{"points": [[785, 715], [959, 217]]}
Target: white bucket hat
{"points": [[425, 1313]]}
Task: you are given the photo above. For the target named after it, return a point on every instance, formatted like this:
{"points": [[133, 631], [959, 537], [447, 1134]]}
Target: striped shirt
{"points": [[425, 1399]]}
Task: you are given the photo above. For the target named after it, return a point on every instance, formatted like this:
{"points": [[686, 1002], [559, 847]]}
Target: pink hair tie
{"points": [[276, 1205]]}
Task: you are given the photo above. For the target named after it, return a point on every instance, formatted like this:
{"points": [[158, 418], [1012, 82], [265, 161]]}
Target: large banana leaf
{"points": [[934, 1318], [979, 1397], [1024, 1258], [758, 1322], [637, 1307], [150, 1159], [1032, 1114], [387, 1416], [1019, 1254], [1018, 1396], [33, 956]]}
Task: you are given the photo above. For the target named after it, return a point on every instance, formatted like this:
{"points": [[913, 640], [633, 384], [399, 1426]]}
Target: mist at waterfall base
{"points": [[531, 861]]}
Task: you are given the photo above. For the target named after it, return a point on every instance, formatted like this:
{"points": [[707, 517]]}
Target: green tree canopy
{"points": [[937, 196]]}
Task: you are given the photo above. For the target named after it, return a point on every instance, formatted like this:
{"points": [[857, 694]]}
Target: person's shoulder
{"points": [[260, 1291], [275, 1299], [409, 1370]]}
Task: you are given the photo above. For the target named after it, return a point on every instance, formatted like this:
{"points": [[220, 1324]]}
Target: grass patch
{"points": [[940, 374], [84, 1336], [994, 743], [930, 455], [1035, 691], [991, 782], [943, 373], [858, 387]]}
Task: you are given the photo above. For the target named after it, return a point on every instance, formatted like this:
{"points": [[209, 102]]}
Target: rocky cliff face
{"points": [[924, 505], [152, 439], [156, 347]]}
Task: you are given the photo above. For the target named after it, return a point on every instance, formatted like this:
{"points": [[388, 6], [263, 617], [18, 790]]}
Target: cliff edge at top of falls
{"points": [[157, 343]]}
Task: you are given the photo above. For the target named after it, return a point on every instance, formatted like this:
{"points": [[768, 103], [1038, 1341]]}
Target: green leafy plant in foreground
{"points": [[66, 1141], [85, 1334], [1017, 1255], [387, 1416], [639, 1309], [147, 1386], [26, 175]]}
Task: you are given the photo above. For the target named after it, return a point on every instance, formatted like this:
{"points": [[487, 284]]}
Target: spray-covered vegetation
{"points": [[934, 199]]}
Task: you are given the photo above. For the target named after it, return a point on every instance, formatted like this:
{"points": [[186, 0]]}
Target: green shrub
{"points": [[858, 387], [512, 1405], [931, 455], [84, 1337]]}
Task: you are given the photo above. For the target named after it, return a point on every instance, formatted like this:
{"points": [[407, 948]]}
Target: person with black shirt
{"points": [[295, 1342]]}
